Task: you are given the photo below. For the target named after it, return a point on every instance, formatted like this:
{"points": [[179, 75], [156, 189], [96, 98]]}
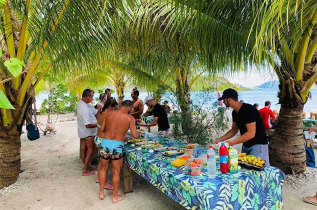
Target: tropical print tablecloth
{"points": [[247, 189], [309, 123]]}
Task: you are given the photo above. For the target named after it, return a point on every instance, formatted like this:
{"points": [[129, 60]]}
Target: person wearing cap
{"points": [[247, 119], [160, 116]]}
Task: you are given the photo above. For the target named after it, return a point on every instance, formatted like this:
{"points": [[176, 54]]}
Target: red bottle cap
{"points": [[210, 146]]}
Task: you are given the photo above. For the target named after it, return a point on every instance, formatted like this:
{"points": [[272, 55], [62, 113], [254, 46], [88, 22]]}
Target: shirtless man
{"points": [[109, 106], [108, 93], [114, 128], [137, 108]]}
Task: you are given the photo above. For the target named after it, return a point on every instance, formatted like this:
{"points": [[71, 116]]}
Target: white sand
{"points": [[52, 180]]}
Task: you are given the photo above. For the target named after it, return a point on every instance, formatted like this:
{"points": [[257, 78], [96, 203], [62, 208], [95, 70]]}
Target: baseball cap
{"points": [[147, 99], [228, 93]]}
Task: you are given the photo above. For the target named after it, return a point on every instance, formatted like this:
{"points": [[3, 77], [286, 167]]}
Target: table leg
{"points": [[127, 179]]}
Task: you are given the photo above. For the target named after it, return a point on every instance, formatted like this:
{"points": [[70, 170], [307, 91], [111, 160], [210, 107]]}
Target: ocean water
{"points": [[206, 99], [250, 96]]}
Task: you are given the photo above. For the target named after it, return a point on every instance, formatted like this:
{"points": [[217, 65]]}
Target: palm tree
{"points": [[284, 34], [175, 47], [64, 33]]}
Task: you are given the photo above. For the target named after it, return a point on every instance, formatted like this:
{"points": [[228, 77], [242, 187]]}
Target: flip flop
{"points": [[307, 200], [110, 187]]}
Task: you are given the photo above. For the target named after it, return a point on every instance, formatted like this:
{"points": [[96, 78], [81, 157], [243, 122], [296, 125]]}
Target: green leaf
{"points": [[2, 2], [4, 102], [14, 66], [1, 47], [17, 61]]}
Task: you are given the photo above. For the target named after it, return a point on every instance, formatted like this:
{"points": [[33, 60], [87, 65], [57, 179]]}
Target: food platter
{"points": [[136, 140], [173, 152], [162, 149], [250, 161], [251, 166]]}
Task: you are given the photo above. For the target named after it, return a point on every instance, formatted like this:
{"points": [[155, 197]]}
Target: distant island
{"points": [[274, 85], [268, 85]]}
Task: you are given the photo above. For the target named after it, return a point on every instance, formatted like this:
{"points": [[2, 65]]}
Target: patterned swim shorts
{"points": [[97, 141], [111, 149]]}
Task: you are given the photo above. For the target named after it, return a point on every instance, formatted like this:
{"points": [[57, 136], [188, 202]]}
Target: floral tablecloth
{"points": [[248, 189], [307, 123]]}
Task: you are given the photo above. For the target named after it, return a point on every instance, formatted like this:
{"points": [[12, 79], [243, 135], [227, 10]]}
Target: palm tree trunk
{"points": [[10, 139], [286, 147], [10, 162], [120, 95], [183, 98]]}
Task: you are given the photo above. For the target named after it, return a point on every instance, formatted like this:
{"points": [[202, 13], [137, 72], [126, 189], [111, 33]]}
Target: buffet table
{"points": [[247, 189]]}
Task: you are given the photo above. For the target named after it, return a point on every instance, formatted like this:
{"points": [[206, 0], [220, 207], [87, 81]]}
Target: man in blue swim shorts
{"points": [[114, 127]]}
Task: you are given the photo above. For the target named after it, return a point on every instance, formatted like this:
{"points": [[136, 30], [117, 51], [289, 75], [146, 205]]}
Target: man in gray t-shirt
{"points": [[87, 129]]}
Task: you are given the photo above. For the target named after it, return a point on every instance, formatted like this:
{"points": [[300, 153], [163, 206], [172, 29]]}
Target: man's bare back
{"points": [[115, 125]]}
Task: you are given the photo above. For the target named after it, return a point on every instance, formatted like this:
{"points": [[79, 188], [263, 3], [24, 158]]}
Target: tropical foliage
{"points": [[283, 34], [178, 43], [59, 100], [37, 37], [204, 125]]}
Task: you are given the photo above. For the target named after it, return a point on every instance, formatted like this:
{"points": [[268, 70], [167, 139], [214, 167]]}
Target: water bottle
{"points": [[211, 162], [223, 153]]}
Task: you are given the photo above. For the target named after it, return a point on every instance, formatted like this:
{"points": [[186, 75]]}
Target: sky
{"points": [[252, 77]]}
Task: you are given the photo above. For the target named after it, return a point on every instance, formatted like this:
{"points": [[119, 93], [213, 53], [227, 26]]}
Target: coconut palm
{"points": [[63, 32], [175, 47], [282, 33]]}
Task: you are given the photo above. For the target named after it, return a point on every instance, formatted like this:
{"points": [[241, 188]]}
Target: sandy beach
{"points": [[52, 179]]}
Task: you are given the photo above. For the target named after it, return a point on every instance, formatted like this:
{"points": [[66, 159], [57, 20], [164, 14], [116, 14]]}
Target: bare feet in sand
{"points": [[311, 200], [88, 173], [91, 168], [119, 198], [100, 196]]}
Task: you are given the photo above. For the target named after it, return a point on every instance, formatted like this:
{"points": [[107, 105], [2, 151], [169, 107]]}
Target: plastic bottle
{"points": [[223, 153], [211, 162]]}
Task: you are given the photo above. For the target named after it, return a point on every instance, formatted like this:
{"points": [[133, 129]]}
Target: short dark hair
{"points": [[111, 102], [165, 102], [127, 103], [267, 103], [87, 92], [108, 89], [135, 91], [102, 96], [256, 104]]}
